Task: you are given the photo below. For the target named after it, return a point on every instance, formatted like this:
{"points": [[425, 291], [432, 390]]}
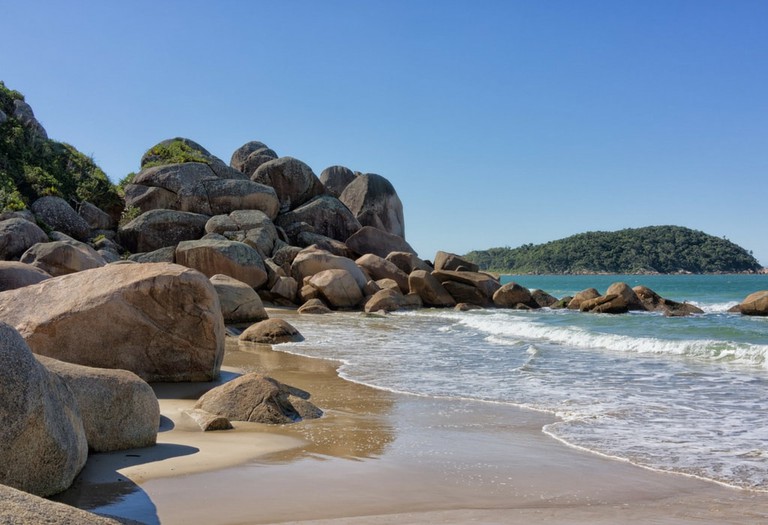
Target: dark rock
{"points": [[336, 178], [232, 258], [378, 242], [157, 229], [465, 293], [63, 257], [24, 114], [58, 215], [162, 255], [374, 201], [653, 302], [543, 299], [294, 182], [408, 262], [15, 275], [17, 236], [95, 217], [239, 160], [327, 216], [484, 283]]}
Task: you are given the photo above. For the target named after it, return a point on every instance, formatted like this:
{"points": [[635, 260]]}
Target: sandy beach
{"points": [[381, 457]]}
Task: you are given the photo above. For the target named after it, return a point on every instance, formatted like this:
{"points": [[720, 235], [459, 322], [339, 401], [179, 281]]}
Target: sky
{"points": [[499, 123]]}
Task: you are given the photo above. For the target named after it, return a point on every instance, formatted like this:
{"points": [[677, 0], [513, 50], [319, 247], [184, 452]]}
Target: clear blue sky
{"points": [[499, 123]]}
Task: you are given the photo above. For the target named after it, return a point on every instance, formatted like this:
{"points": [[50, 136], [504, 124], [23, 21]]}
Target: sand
{"points": [[379, 457]]}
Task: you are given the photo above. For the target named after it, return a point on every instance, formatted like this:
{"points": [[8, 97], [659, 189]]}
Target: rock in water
{"points": [[271, 332], [755, 304], [160, 321]]}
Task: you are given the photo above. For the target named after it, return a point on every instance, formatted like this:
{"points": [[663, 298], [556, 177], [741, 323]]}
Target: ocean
{"points": [[680, 394]]}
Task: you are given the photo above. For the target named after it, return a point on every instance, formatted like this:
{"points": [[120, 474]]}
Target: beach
{"points": [[384, 457]]}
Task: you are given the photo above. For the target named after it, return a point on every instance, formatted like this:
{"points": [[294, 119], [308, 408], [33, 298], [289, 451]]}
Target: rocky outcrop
{"points": [[618, 299], [17, 236], [653, 302], [311, 261], [42, 440], [258, 399], [271, 332], [248, 157], [293, 181], [326, 215], [157, 229], [18, 275], [239, 302], [378, 242], [338, 288], [755, 304], [511, 295], [431, 291], [584, 295], [160, 321], [22, 508], [451, 261], [374, 201], [232, 258], [60, 216], [62, 257], [379, 268], [118, 409], [336, 178]]}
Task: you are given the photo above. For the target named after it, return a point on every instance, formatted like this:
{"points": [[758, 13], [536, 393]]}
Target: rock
{"points": [[379, 268], [58, 215], [286, 288], [15, 275], [314, 306], [22, 508], [294, 182], [387, 300], [484, 283], [285, 255], [239, 302], [338, 287], [327, 216], [62, 257], [17, 236], [431, 291], [373, 240], [562, 303], [512, 294], [543, 299], [206, 421], [307, 293], [42, 440], [311, 261], [605, 304], [118, 409], [271, 332], [160, 321], [755, 304], [232, 258], [451, 261], [584, 295], [322, 242], [255, 398], [23, 112], [465, 293], [384, 284], [227, 195], [95, 217], [653, 302], [193, 152], [240, 156], [374, 201], [157, 229], [166, 255], [627, 294], [408, 262], [336, 178], [466, 307]]}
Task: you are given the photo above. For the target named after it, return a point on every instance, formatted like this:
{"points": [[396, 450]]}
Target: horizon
{"points": [[503, 124]]}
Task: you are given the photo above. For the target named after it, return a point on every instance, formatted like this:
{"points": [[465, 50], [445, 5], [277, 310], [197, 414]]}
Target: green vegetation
{"points": [[173, 152], [654, 249], [32, 167]]}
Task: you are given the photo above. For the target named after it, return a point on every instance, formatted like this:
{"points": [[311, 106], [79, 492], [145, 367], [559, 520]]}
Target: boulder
{"points": [[232, 258], [484, 283], [408, 262], [160, 321], [284, 254], [431, 291], [374, 201], [118, 409], [326, 215], [653, 302], [59, 215], [285, 288], [159, 154], [465, 293], [22, 508], [306, 239], [293, 181], [605, 304], [18, 275], [239, 160], [255, 398], [379, 268], [226, 195], [157, 229], [466, 307], [378, 242], [206, 421], [314, 306], [512, 294], [336, 178], [17, 236], [23, 112], [311, 260], [451, 261], [338, 287], [584, 295], [239, 302], [95, 217], [162, 255], [543, 299], [562, 303], [42, 440], [383, 284], [271, 332], [62, 257], [755, 304], [387, 300], [627, 294]]}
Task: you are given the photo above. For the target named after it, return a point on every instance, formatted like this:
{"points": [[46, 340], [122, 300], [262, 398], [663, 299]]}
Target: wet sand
{"points": [[378, 457]]}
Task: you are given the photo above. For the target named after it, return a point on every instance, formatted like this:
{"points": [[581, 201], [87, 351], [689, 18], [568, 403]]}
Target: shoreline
{"points": [[383, 457]]}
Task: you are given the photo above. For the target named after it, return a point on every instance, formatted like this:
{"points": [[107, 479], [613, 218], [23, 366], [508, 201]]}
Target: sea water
{"points": [[681, 394]]}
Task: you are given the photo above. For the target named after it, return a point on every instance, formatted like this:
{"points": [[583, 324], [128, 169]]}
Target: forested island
{"points": [[653, 249]]}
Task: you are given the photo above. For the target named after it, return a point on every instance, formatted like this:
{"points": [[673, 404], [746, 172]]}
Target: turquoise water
{"points": [[687, 395]]}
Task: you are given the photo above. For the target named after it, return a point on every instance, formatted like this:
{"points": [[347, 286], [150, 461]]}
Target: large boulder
{"points": [[253, 227], [60, 216], [63, 257], [157, 229], [271, 332], [378, 242], [431, 291], [512, 294], [42, 440], [338, 287], [314, 306], [387, 300], [24, 114], [379, 268], [232, 258], [543, 299], [22, 508], [96, 218], [310, 261], [294, 182], [484, 283], [118, 409], [250, 156], [17, 236], [584, 295], [467, 294], [161, 255], [336, 178], [653, 302], [18, 275], [627, 294], [408, 262], [451, 261], [327, 216], [374, 201], [239, 302], [160, 321], [258, 399], [755, 304]]}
